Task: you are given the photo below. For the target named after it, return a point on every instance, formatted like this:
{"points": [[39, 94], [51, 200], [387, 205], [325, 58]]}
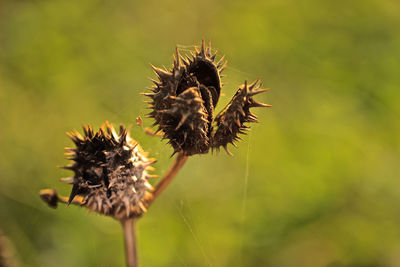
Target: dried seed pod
{"points": [[230, 121], [110, 172], [184, 99]]}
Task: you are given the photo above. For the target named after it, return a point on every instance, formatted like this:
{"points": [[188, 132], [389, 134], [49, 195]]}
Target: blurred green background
{"points": [[316, 183]]}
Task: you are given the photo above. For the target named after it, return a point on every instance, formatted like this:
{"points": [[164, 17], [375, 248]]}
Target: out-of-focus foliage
{"points": [[316, 183]]}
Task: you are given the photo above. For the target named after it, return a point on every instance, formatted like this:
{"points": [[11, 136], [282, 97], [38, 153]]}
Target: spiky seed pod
{"points": [[110, 172], [230, 121], [184, 99]]}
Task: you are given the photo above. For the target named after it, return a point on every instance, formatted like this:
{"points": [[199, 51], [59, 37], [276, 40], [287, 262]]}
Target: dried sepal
{"points": [[110, 172], [230, 122]]}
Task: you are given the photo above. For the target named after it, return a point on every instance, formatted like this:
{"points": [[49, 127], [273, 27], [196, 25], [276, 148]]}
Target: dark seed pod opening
{"points": [[202, 71]]}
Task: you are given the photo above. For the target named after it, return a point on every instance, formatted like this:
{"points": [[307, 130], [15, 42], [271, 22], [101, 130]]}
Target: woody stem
{"points": [[128, 226], [169, 176]]}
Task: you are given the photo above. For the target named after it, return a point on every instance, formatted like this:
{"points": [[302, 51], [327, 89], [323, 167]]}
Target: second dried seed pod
{"points": [[110, 172]]}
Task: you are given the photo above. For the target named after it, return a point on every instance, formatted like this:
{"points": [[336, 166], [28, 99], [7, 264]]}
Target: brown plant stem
{"points": [[128, 227], [179, 162]]}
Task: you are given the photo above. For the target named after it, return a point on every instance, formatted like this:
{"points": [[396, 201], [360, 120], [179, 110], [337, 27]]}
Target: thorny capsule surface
{"points": [[183, 102], [110, 172]]}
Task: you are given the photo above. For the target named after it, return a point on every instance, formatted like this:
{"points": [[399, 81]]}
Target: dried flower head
{"points": [[110, 172], [184, 100]]}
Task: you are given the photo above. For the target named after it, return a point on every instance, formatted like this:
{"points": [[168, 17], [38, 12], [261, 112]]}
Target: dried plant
{"points": [[184, 99], [111, 170], [111, 173], [110, 177]]}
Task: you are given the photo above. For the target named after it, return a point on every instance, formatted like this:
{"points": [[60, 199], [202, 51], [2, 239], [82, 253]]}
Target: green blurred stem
{"points": [[169, 176], [128, 227]]}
